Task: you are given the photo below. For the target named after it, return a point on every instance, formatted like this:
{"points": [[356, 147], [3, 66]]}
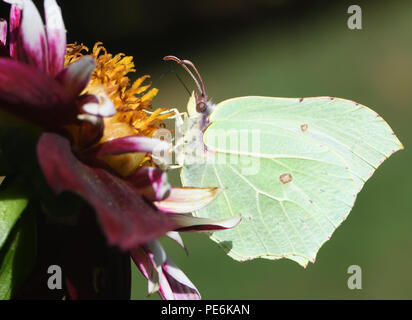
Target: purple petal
{"points": [[124, 216], [15, 19], [56, 36], [151, 182], [77, 75], [163, 274], [103, 107], [187, 223], [175, 285], [32, 44], [158, 257], [144, 262], [159, 254], [131, 144], [3, 33], [185, 200], [3, 38], [34, 96], [149, 259]]}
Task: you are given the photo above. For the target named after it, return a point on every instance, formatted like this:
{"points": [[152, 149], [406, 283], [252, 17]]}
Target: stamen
{"points": [[130, 99]]}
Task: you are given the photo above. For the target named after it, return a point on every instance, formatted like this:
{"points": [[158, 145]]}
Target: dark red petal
{"points": [[3, 38], [3, 32], [32, 39], [125, 217], [163, 274], [177, 286], [15, 20], [151, 182], [90, 130], [76, 76], [56, 36], [34, 96], [188, 223]]}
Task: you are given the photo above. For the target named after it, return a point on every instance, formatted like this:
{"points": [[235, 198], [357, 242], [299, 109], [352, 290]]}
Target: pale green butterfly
{"points": [[313, 158]]}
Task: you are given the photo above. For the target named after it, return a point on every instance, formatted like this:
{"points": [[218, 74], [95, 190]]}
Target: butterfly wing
{"points": [[291, 167]]}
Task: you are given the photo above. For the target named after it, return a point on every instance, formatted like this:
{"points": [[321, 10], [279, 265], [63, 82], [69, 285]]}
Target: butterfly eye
{"points": [[201, 106]]}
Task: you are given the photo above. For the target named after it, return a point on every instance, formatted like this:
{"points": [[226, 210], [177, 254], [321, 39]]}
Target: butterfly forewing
{"points": [[291, 167]]}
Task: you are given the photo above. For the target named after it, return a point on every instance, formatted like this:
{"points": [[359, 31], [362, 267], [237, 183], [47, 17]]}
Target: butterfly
{"points": [[292, 167]]}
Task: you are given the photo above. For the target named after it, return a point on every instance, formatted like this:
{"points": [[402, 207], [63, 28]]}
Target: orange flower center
{"points": [[130, 100]]}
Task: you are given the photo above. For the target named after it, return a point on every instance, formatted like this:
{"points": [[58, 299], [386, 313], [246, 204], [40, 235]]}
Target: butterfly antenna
{"points": [[200, 102], [191, 64], [177, 60], [157, 81], [181, 81]]}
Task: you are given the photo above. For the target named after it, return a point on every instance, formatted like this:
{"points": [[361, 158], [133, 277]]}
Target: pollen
{"points": [[132, 100]]}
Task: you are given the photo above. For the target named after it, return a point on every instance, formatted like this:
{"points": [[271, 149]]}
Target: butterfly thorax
{"points": [[193, 147]]}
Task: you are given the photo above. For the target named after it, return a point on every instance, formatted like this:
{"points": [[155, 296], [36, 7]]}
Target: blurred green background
{"points": [[284, 49]]}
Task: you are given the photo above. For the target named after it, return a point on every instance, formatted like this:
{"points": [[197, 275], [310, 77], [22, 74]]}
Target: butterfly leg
{"points": [[180, 118]]}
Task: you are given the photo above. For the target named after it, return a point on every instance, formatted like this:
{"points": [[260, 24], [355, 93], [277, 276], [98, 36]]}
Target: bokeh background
{"points": [[283, 48]]}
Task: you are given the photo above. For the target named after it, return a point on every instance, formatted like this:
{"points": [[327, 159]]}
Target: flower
{"points": [[110, 77], [93, 138], [37, 87]]}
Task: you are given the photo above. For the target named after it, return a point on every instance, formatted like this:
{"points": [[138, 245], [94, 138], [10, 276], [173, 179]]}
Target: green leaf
{"points": [[17, 257], [313, 157], [12, 203]]}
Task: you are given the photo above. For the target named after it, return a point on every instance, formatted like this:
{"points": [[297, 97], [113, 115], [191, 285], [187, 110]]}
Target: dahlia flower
{"points": [[76, 140]]}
